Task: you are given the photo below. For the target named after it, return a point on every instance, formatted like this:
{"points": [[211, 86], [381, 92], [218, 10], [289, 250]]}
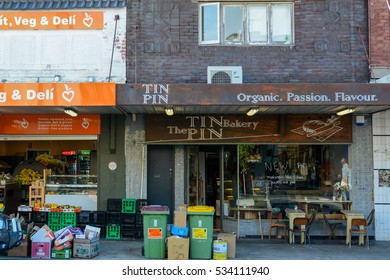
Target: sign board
{"points": [[244, 129], [59, 20], [57, 94], [254, 94], [49, 125]]}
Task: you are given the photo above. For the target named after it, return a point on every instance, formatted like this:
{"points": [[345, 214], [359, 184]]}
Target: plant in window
{"points": [[248, 154]]}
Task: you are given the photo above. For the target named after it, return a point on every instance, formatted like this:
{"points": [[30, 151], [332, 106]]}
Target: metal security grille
{"points": [[221, 78]]}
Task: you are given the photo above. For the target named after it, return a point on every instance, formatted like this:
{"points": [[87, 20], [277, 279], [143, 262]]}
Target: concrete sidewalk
{"points": [[256, 249]]}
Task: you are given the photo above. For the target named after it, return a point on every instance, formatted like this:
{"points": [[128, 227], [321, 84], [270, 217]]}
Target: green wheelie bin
{"points": [[155, 231], [200, 231]]}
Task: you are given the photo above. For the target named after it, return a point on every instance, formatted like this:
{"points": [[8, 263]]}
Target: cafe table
{"points": [[248, 209], [349, 215], [292, 214], [305, 201]]}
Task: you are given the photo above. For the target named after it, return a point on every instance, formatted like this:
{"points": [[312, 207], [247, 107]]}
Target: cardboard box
{"points": [[44, 234], [178, 248], [61, 254], [40, 249], [180, 219], [91, 232], [65, 237], [182, 207], [23, 250], [41, 243], [230, 238], [63, 246], [85, 248]]}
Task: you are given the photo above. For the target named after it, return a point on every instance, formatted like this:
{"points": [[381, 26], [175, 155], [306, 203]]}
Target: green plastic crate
{"points": [[113, 232], [55, 228], [54, 218], [68, 219], [129, 205]]}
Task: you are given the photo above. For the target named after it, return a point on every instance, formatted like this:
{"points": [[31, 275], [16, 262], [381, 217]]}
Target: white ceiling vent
{"points": [[224, 75]]}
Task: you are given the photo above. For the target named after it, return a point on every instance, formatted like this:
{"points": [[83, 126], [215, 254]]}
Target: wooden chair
{"points": [[277, 224], [359, 226], [275, 213], [302, 226]]}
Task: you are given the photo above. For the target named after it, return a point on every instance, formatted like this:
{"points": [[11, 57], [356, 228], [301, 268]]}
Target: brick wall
{"points": [[379, 28], [163, 45]]}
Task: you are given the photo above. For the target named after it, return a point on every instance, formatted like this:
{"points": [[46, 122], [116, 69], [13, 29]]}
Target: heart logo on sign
{"points": [[68, 94], [85, 123], [24, 123], [88, 20]]}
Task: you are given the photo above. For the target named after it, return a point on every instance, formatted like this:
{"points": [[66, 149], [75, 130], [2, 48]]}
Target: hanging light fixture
{"points": [[169, 111], [252, 111], [70, 112], [345, 112]]}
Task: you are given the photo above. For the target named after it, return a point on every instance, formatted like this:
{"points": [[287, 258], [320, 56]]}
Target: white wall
{"points": [[75, 55], [381, 150]]}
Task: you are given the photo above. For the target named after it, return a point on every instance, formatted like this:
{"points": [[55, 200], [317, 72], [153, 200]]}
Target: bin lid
{"points": [[200, 209], [155, 208]]}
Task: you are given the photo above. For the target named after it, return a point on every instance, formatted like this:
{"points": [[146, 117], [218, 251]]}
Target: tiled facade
{"points": [[381, 150]]}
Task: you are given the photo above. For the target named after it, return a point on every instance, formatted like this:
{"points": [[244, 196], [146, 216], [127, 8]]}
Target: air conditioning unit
{"points": [[224, 75]]}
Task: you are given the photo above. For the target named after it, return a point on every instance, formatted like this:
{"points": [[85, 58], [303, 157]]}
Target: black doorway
{"points": [[160, 174]]}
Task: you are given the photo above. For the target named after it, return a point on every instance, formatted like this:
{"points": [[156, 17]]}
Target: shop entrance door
{"points": [[212, 178], [160, 187]]}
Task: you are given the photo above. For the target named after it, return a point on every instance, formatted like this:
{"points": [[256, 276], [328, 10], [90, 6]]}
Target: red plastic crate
{"points": [[40, 250]]}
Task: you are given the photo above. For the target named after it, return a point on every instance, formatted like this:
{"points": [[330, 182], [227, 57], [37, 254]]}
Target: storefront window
{"points": [[285, 175]]}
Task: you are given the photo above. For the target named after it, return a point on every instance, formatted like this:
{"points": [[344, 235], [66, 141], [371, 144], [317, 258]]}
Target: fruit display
{"points": [[27, 176], [54, 207], [48, 160]]}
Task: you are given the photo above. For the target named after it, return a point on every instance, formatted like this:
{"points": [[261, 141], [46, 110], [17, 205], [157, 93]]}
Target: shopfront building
{"points": [[63, 144], [60, 62], [288, 159]]}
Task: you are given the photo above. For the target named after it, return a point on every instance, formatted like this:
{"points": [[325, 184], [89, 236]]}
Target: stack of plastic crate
{"points": [[82, 219], [54, 221], [113, 218], [98, 219], [39, 218], [59, 220], [128, 210], [139, 222], [68, 219]]}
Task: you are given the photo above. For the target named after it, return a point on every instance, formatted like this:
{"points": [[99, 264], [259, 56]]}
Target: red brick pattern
{"points": [[379, 32]]}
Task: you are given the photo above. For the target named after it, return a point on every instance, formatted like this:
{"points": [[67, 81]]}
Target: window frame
{"points": [[200, 25], [221, 41]]}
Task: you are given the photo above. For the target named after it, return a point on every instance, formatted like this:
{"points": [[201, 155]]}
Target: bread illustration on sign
{"points": [[318, 129]]}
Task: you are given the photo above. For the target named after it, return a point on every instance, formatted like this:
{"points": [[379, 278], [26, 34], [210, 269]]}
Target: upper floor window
{"points": [[246, 24]]}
